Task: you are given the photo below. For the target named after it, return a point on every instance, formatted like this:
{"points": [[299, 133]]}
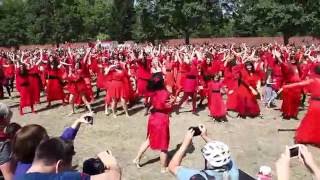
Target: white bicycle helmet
{"points": [[216, 153]]}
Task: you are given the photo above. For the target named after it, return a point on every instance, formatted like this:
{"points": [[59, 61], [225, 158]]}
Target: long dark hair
{"points": [[23, 70], [248, 63], [156, 82]]}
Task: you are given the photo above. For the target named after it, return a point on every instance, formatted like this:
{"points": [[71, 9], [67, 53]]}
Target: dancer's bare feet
{"points": [[137, 163]]}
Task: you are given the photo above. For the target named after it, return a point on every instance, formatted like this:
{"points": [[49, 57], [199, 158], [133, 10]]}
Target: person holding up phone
{"points": [[218, 162], [305, 156]]}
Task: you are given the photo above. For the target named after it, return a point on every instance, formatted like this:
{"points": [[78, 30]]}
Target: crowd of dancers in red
{"points": [[227, 77]]}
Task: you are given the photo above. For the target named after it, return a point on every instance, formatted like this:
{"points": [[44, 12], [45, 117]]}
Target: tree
{"points": [[12, 24], [121, 20]]}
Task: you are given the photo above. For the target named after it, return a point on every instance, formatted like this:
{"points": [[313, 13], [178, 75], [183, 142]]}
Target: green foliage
{"points": [[57, 21]]}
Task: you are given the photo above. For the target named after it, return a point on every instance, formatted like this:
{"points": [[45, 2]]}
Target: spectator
{"points": [[5, 151], [283, 163], [29, 137], [218, 162], [53, 160]]}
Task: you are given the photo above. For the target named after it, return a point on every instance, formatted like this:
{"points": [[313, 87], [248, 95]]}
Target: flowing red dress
{"points": [[117, 87], [231, 76], [216, 104], [24, 88], [247, 104], [190, 82], [181, 76], [35, 83], [158, 123], [169, 74], [54, 85], [308, 131], [143, 75], [291, 98]]}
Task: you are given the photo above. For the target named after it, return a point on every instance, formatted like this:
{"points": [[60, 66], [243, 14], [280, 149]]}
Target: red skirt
{"points": [[142, 87], [216, 105], [35, 83], [26, 98], [117, 90], [180, 80], [291, 102], [100, 81], [158, 131], [190, 85], [247, 104], [169, 79], [54, 90], [232, 102], [308, 131]]}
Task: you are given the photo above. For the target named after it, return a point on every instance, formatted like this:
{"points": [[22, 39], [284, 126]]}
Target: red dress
{"points": [[247, 104], [24, 87], [308, 131], [35, 82], [169, 74], [215, 101], [143, 75], [54, 85], [231, 76], [190, 82], [291, 98], [117, 87], [181, 76], [158, 123]]}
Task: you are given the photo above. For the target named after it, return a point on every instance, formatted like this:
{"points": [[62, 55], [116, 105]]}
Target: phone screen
{"points": [[294, 152]]}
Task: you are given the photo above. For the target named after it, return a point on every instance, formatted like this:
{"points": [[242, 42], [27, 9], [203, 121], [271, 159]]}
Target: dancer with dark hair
{"points": [[308, 131], [158, 135]]}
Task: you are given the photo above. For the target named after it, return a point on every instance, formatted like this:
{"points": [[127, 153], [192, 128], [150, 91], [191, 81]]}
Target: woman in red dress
{"points": [[247, 105], [158, 135], [117, 90], [231, 78], [143, 75], [54, 83], [216, 105], [77, 87], [169, 80], [308, 131], [35, 83], [291, 98], [190, 84], [24, 88]]}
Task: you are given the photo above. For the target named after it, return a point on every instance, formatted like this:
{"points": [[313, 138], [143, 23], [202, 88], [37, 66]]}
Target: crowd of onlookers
{"points": [[28, 152]]}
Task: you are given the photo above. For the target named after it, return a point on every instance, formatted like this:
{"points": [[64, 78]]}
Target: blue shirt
{"points": [[52, 176], [68, 134], [184, 173]]}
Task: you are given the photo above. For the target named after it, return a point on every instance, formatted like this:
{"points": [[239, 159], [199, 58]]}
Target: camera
{"points": [[197, 131], [93, 166], [89, 119], [294, 151]]}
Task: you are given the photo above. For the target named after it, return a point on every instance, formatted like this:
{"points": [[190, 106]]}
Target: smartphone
{"points": [[89, 119], [197, 131], [294, 151]]}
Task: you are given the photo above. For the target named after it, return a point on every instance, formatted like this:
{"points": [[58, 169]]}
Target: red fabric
{"points": [[308, 131], [190, 84], [158, 123], [54, 85], [35, 82], [24, 87], [216, 104], [143, 75], [118, 86], [231, 81], [247, 104], [169, 74], [182, 72]]}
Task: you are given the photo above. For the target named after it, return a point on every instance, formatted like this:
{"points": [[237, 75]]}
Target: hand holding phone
{"points": [[197, 131], [294, 151]]}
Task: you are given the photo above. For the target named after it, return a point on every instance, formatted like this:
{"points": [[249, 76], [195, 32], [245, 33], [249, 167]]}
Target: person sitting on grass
{"points": [[218, 162]]}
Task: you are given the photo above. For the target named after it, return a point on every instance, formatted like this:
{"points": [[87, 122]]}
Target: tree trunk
{"points": [[286, 38], [187, 38]]}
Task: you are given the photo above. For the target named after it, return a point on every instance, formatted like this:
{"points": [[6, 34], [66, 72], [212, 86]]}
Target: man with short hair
{"points": [[53, 161], [218, 162]]}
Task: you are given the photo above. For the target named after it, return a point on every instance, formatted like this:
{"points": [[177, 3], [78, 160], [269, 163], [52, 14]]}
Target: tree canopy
{"points": [[57, 21]]}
